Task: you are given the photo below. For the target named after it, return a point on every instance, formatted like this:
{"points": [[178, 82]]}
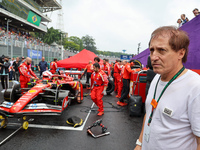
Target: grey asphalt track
{"points": [[124, 130]]}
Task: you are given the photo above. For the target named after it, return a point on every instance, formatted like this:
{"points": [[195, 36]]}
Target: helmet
{"points": [[46, 75]]}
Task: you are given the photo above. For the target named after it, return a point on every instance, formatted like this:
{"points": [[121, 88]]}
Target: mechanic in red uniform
{"points": [[106, 67], [53, 66], [117, 70], [96, 59], [120, 87], [26, 73], [99, 83], [89, 69], [126, 82]]}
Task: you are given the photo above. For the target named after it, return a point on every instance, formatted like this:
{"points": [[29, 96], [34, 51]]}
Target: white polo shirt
{"points": [[176, 120]]}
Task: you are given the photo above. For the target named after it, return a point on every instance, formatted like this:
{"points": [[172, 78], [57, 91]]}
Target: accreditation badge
{"points": [[147, 131]]}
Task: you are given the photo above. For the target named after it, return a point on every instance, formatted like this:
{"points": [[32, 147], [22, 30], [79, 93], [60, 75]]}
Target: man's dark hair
{"points": [[117, 60], [97, 59], [105, 59], [54, 59], [196, 9], [96, 65]]}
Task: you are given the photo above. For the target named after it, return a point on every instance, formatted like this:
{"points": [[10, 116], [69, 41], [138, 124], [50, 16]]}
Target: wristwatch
{"points": [[138, 142]]}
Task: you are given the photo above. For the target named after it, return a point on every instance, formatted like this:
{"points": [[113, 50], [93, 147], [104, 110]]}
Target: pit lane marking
{"points": [[59, 127]]}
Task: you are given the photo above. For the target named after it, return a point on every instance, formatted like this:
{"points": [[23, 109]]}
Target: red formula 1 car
{"points": [[49, 96]]}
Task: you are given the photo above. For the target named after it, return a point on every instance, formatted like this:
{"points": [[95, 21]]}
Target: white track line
{"points": [[59, 127]]}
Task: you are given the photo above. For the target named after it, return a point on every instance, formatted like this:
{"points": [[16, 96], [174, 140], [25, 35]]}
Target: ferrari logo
{"points": [[34, 18]]}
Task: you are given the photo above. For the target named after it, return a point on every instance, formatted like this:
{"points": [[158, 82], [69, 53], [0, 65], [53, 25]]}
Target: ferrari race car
{"points": [[49, 96]]}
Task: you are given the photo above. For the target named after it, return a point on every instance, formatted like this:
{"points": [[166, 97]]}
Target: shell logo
{"points": [[32, 91]]}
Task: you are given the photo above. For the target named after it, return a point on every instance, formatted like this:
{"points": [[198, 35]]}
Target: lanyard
{"points": [[154, 103]]}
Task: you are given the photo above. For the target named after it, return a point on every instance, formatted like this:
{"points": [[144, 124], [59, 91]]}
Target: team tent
{"points": [[79, 60]]}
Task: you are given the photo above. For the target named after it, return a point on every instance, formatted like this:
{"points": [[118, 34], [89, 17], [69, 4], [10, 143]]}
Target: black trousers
{"points": [[17, 75], [4, 81], [125, 90], [88, 76]]}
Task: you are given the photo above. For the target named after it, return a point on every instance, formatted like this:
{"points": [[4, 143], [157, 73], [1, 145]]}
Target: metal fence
{"points": [[17, 48]]}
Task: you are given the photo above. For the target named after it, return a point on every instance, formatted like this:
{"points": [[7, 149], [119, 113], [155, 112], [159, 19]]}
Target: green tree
{"points": [[52, 35], [70, 45], [77, 41], [89, 43]]}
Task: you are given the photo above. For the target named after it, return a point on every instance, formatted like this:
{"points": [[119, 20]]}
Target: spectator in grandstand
{"points": [[4, 73], [196, 12], [172, 114], [15, 69], [184, 19], [42, 66], [179, 23]]}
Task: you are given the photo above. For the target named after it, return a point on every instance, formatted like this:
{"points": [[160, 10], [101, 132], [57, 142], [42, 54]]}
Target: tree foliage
{"points": [[109, 53], [77, 41], [70, 45], [73, 43], [89, 43], [52, 35]]}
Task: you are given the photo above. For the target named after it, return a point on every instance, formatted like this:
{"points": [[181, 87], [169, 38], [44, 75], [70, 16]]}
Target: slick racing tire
{"points": [[111, 87]]}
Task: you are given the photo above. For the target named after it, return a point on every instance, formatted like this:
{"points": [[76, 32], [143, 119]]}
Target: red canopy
{"points": [[79, 60]]}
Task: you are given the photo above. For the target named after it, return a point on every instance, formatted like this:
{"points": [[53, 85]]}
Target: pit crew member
{"points": [[106, 67], [89, 69], [99, 82], [53, 66], [126, 82], [26, 73]]}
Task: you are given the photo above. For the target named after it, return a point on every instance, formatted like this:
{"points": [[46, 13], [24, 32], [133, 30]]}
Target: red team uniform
{"points": [[106, 68], [120, 83], [25, 74], [53, 67], [98, 81], [117, 70]]}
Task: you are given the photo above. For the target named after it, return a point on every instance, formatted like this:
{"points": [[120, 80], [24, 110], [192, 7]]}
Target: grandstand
{"points": [[20, 17]]}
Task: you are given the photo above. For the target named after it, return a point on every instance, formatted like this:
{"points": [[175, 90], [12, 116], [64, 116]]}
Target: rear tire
{"points": [[110, 88]]}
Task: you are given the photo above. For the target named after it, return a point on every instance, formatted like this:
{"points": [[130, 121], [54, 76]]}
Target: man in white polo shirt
{"points": [[172, 119]]}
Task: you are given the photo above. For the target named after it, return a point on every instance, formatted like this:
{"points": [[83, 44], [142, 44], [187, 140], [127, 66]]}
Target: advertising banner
{"points": [[34, 54], [126, 57]]}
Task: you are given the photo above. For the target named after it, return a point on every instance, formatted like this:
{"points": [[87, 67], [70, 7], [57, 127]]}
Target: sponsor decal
{"points": [[65, 103], [39, 85], [33, 106], [32, 91]]}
